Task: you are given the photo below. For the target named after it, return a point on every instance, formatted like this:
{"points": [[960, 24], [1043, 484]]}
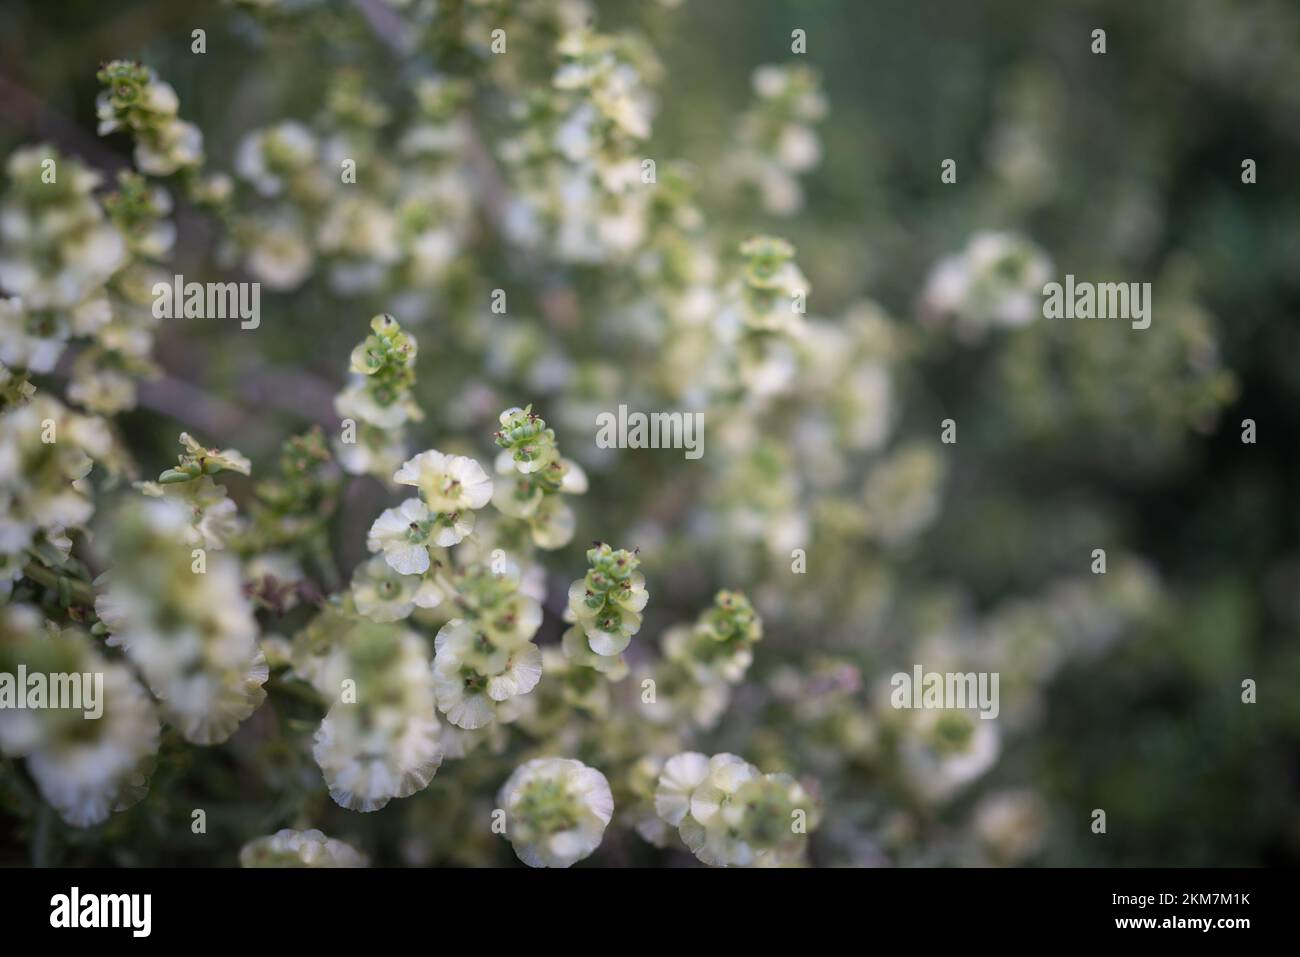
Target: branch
{"points": [[82, 593], [387, 25]]}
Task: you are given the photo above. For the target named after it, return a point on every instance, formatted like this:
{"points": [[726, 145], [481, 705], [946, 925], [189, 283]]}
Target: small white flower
{"points": [[447, 483], [401, 533], [682, 774], [945, 750], [290, 848], [384, 594], [523, 670], [280, 256]]}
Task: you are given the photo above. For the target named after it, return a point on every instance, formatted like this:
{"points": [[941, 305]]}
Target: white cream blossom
{"points": [[86, 768], [193, 636], [383, 594], [556, 811], [380, 738], [290, 848], [447, 483]]}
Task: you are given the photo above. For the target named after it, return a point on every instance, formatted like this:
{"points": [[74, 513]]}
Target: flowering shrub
{"points": [[370, 615]]}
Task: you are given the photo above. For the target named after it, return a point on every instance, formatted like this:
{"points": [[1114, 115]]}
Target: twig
{"points": [[81, 592], [201, 411], [387, 24]]}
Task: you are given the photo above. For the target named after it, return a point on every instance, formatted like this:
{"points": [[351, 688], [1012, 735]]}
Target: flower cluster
{"points": [[556, 810], [59, 251], [382, 593], [776, 139], [452, 488], [85, 768], [77, 269], [773, 288], [403, 575], [333, 195], [486, 657], [759, 324], [539, 474], [60, 248], [731, 814], [377, 403], [380, 738], [700, 663], [606, 607], [181, 615], [290, 848], [134, 99], [46, 454], [213, 519], [719, 646], [579, 181], [105, 372], [996, 281]]}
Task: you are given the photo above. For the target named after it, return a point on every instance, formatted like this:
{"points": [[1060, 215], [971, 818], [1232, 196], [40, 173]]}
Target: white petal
{"points": [[407, 559]]}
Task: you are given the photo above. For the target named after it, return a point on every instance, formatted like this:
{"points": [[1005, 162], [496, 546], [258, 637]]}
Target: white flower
{"points": [[798, 148], [356, 401], [447, 483], [89, 775], [730, 814], [383, 594], [265, 157], [471, 675], [523, 669], [386, 743], [214, 516], [945, 750], [401, 533], [290, 848], [179, 145], [368, 764], [1011, 824], [86, 768], [375, 452], [997, 280], [682, 774], [21, 348], [280, 256], [556, 811], [193, 637], [461, 690], [574, 644], [552, 524]]}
